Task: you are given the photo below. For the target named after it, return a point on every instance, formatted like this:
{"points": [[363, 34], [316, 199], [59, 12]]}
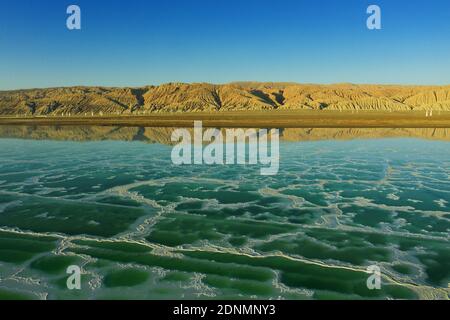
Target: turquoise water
{"points": [[142, 228]]}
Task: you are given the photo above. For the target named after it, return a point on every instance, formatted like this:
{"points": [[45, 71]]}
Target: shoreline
{"points": [[246, 119]]}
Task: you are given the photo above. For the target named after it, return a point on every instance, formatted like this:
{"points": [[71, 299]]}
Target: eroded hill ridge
{"points": [[182, 97]]}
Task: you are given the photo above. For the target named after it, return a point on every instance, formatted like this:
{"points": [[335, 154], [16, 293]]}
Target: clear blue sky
{"points": [[139, 42]]}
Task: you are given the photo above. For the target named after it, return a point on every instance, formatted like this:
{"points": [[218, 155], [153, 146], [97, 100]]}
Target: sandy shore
{"points": [[281, 119]]}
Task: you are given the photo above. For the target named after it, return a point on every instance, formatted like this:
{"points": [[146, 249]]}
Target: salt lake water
{"points": [[110, 201]]}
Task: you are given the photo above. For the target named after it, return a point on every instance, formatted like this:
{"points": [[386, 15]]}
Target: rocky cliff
{"points": [[180, 97]]}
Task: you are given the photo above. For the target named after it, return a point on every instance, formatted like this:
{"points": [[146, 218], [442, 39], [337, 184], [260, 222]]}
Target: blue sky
{"points": [[139, 42]]}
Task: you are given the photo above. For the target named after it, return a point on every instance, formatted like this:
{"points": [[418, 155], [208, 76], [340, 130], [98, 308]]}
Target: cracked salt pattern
{"points": [[143, 228]]}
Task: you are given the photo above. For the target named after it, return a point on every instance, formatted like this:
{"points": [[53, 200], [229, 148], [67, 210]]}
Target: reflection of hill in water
{"points": [[162, 135]]}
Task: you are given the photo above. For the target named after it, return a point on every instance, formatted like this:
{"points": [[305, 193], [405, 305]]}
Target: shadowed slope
{"points": [[180, 97]]}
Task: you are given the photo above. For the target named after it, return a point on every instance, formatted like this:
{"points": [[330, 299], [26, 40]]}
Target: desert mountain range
{"points": [[181, 97]]}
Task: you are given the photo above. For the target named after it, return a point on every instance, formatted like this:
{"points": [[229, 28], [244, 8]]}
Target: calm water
{"points": [[140, 227]]}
